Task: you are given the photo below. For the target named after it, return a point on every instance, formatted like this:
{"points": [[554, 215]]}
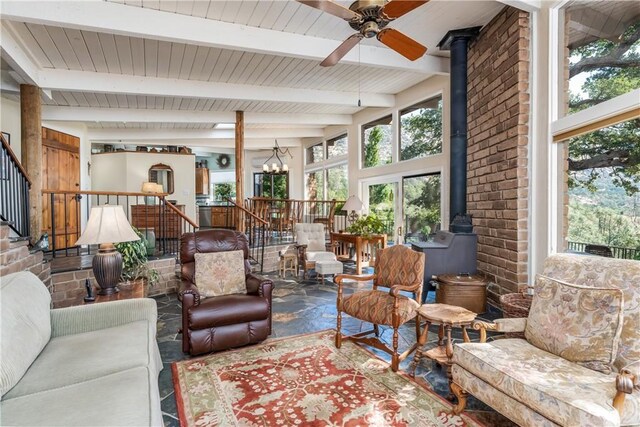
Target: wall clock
{"points": [[223, 161]]}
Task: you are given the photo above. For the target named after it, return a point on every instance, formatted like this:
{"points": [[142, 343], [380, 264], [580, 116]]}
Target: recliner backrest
{"points": [[205, 241]]}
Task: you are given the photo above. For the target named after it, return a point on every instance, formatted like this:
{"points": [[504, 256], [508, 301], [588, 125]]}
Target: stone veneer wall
{"points": [[498, 186], [15, 256], [68, 287]]}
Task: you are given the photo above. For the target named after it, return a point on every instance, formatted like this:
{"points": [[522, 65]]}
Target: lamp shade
{"points": [[107, 224], [353, 203], [159, 188], [148, 187]]}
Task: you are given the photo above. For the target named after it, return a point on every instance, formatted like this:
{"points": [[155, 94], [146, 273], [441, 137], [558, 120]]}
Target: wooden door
{"points": [[60, 174]]}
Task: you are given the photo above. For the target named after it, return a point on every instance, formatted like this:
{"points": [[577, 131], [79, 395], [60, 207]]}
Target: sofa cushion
{"points": [[578, 323], [127, 398], [602, 272], [25, 306], [71, 359], [560, 390], [220, 273], [377, 307]]}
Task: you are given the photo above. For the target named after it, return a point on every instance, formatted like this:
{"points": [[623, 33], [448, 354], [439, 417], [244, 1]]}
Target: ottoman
{"points": [[328, 267]]}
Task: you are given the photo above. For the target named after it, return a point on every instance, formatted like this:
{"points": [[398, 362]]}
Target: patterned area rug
{"points": [[304, 381]]}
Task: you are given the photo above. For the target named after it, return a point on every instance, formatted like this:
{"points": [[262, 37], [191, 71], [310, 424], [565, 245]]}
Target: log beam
{"points": [[31, 127], [240, 163]]}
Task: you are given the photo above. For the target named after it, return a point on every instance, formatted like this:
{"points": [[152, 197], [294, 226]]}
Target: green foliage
{"points": [[612, 68], [367, 225], [337, 184], [277, 190], [134, 260], [223, 191], [422, 203], [421, 133], [604, 226], [377, 146]]}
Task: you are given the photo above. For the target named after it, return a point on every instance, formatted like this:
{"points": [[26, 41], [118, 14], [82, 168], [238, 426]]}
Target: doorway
{"points": [[421, 206], [60, 181]]}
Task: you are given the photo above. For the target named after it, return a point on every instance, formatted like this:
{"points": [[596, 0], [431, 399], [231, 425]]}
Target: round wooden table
{"points": [[448, 317]]}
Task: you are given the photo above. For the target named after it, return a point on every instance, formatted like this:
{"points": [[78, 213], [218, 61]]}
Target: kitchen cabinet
{"points": [[202, 181], [223, 217]]}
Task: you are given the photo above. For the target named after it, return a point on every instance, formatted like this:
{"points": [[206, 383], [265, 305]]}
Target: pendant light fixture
{"points": [[274, 164]]}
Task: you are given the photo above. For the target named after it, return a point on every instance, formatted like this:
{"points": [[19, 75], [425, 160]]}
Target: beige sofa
{"points": [[533, 387], [93, 365]]}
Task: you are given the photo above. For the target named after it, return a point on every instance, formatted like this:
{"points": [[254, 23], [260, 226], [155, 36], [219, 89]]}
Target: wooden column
{"points": [[240, 163], [31, 127]]}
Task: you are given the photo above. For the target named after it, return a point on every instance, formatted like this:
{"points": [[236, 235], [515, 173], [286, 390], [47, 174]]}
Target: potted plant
{"points": [[134, 260], [366, 226], [223, 191]]}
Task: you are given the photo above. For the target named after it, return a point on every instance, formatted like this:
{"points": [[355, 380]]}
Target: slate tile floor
{"points": [[301, 307]]}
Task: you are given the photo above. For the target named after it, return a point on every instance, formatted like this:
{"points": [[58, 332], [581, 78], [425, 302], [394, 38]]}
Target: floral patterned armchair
{"points": [[534, 386]]}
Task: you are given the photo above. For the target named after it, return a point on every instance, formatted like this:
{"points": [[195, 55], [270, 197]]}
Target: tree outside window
{"points": [[421, 129], [272, 186], [337, 146], [603, 166], [315, 185], [376, 143], [315, 153], [337, 185]]}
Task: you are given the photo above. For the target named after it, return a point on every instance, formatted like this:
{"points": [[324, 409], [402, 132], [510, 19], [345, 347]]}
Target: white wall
{"points": [[126, 171], [10, 123]]}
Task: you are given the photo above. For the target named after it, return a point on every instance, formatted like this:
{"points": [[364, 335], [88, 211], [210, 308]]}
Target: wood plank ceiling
{"points": [[51, 45]]}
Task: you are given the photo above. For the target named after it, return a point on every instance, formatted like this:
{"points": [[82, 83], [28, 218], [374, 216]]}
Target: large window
{"points": [[597, 124], [337, 146], [421, 206], [421, 129], [603, 51], [272, 186], [337, 184], [315, 153], [376, 143]]}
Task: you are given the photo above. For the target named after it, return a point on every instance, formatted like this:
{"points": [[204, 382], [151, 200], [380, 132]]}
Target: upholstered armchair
{"points": [[222, 322], [531, 382], [401, 270], [311, 245]]}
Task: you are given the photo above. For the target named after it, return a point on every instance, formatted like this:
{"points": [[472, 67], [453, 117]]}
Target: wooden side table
{"points": [[288, 262], [448, 317], [134, 289]]}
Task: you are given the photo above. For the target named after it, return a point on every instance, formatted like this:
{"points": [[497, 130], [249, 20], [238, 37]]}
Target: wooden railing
{"points": [[14, 189], [254, 227], [65, 214]]}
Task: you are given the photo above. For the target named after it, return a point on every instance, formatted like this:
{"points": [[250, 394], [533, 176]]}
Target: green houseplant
{"points": [[134, 260], [366, 226]]}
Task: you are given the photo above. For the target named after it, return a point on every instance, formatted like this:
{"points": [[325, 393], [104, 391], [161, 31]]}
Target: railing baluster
{"points": [[53, 224]]}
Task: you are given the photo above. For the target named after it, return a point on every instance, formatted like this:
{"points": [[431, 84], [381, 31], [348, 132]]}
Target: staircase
{"points": [[14, 190]]}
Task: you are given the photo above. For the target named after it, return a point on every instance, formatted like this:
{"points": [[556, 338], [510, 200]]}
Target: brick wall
{"points": [[68, 287], [498, 186], [15, 256]]}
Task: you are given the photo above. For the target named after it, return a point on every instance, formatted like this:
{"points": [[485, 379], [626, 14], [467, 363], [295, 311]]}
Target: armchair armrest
{"points": [[259, 286], [87, 318], [626, 383], [188, 291], [499, 325], [396, 289]]}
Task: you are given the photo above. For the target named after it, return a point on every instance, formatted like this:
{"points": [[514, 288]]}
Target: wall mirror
{"points": [[162, 174]]}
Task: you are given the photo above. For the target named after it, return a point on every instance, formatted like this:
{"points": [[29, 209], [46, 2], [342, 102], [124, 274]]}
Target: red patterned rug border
{"points": [[180, 400]]}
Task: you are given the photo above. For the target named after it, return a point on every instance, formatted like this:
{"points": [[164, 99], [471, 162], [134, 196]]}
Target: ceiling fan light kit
{"points": [[369, 18]]}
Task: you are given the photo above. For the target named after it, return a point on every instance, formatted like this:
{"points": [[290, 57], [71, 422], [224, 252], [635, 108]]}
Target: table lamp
{"points": [[353, 205], [150, 188], [107, 225]]}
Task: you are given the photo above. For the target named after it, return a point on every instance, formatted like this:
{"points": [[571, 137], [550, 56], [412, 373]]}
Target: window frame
{"points": [[371, 124], [255, 185], [398, 134], [344, 135]]}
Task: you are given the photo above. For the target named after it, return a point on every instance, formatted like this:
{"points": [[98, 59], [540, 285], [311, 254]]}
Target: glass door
{"points": [[382, 202], [421, 206]]}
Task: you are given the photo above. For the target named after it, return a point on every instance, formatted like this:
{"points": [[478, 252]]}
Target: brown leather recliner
{"points": [[219, 323]]}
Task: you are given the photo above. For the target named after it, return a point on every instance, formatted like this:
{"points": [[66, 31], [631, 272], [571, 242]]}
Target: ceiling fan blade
{"points": [[342, 50], [332, 8], [396, 8], [402, 44]]}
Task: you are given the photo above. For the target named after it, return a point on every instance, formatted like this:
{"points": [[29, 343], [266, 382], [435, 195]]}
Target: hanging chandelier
{"points": [[274, 165]]}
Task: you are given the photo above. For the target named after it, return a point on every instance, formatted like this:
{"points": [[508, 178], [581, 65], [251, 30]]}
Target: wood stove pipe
{"points": [[457, 41]]}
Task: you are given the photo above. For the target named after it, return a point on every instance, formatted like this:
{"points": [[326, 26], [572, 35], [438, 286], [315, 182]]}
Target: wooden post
{"points": [[31, 126], [240, 163]]}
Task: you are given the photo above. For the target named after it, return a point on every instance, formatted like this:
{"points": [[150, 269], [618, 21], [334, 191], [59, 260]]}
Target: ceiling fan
{"points": [[369, 18]]}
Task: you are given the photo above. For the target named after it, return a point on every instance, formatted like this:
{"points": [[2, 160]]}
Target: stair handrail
{"points": [[14, 158], [179, 212], [248, 212]]}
